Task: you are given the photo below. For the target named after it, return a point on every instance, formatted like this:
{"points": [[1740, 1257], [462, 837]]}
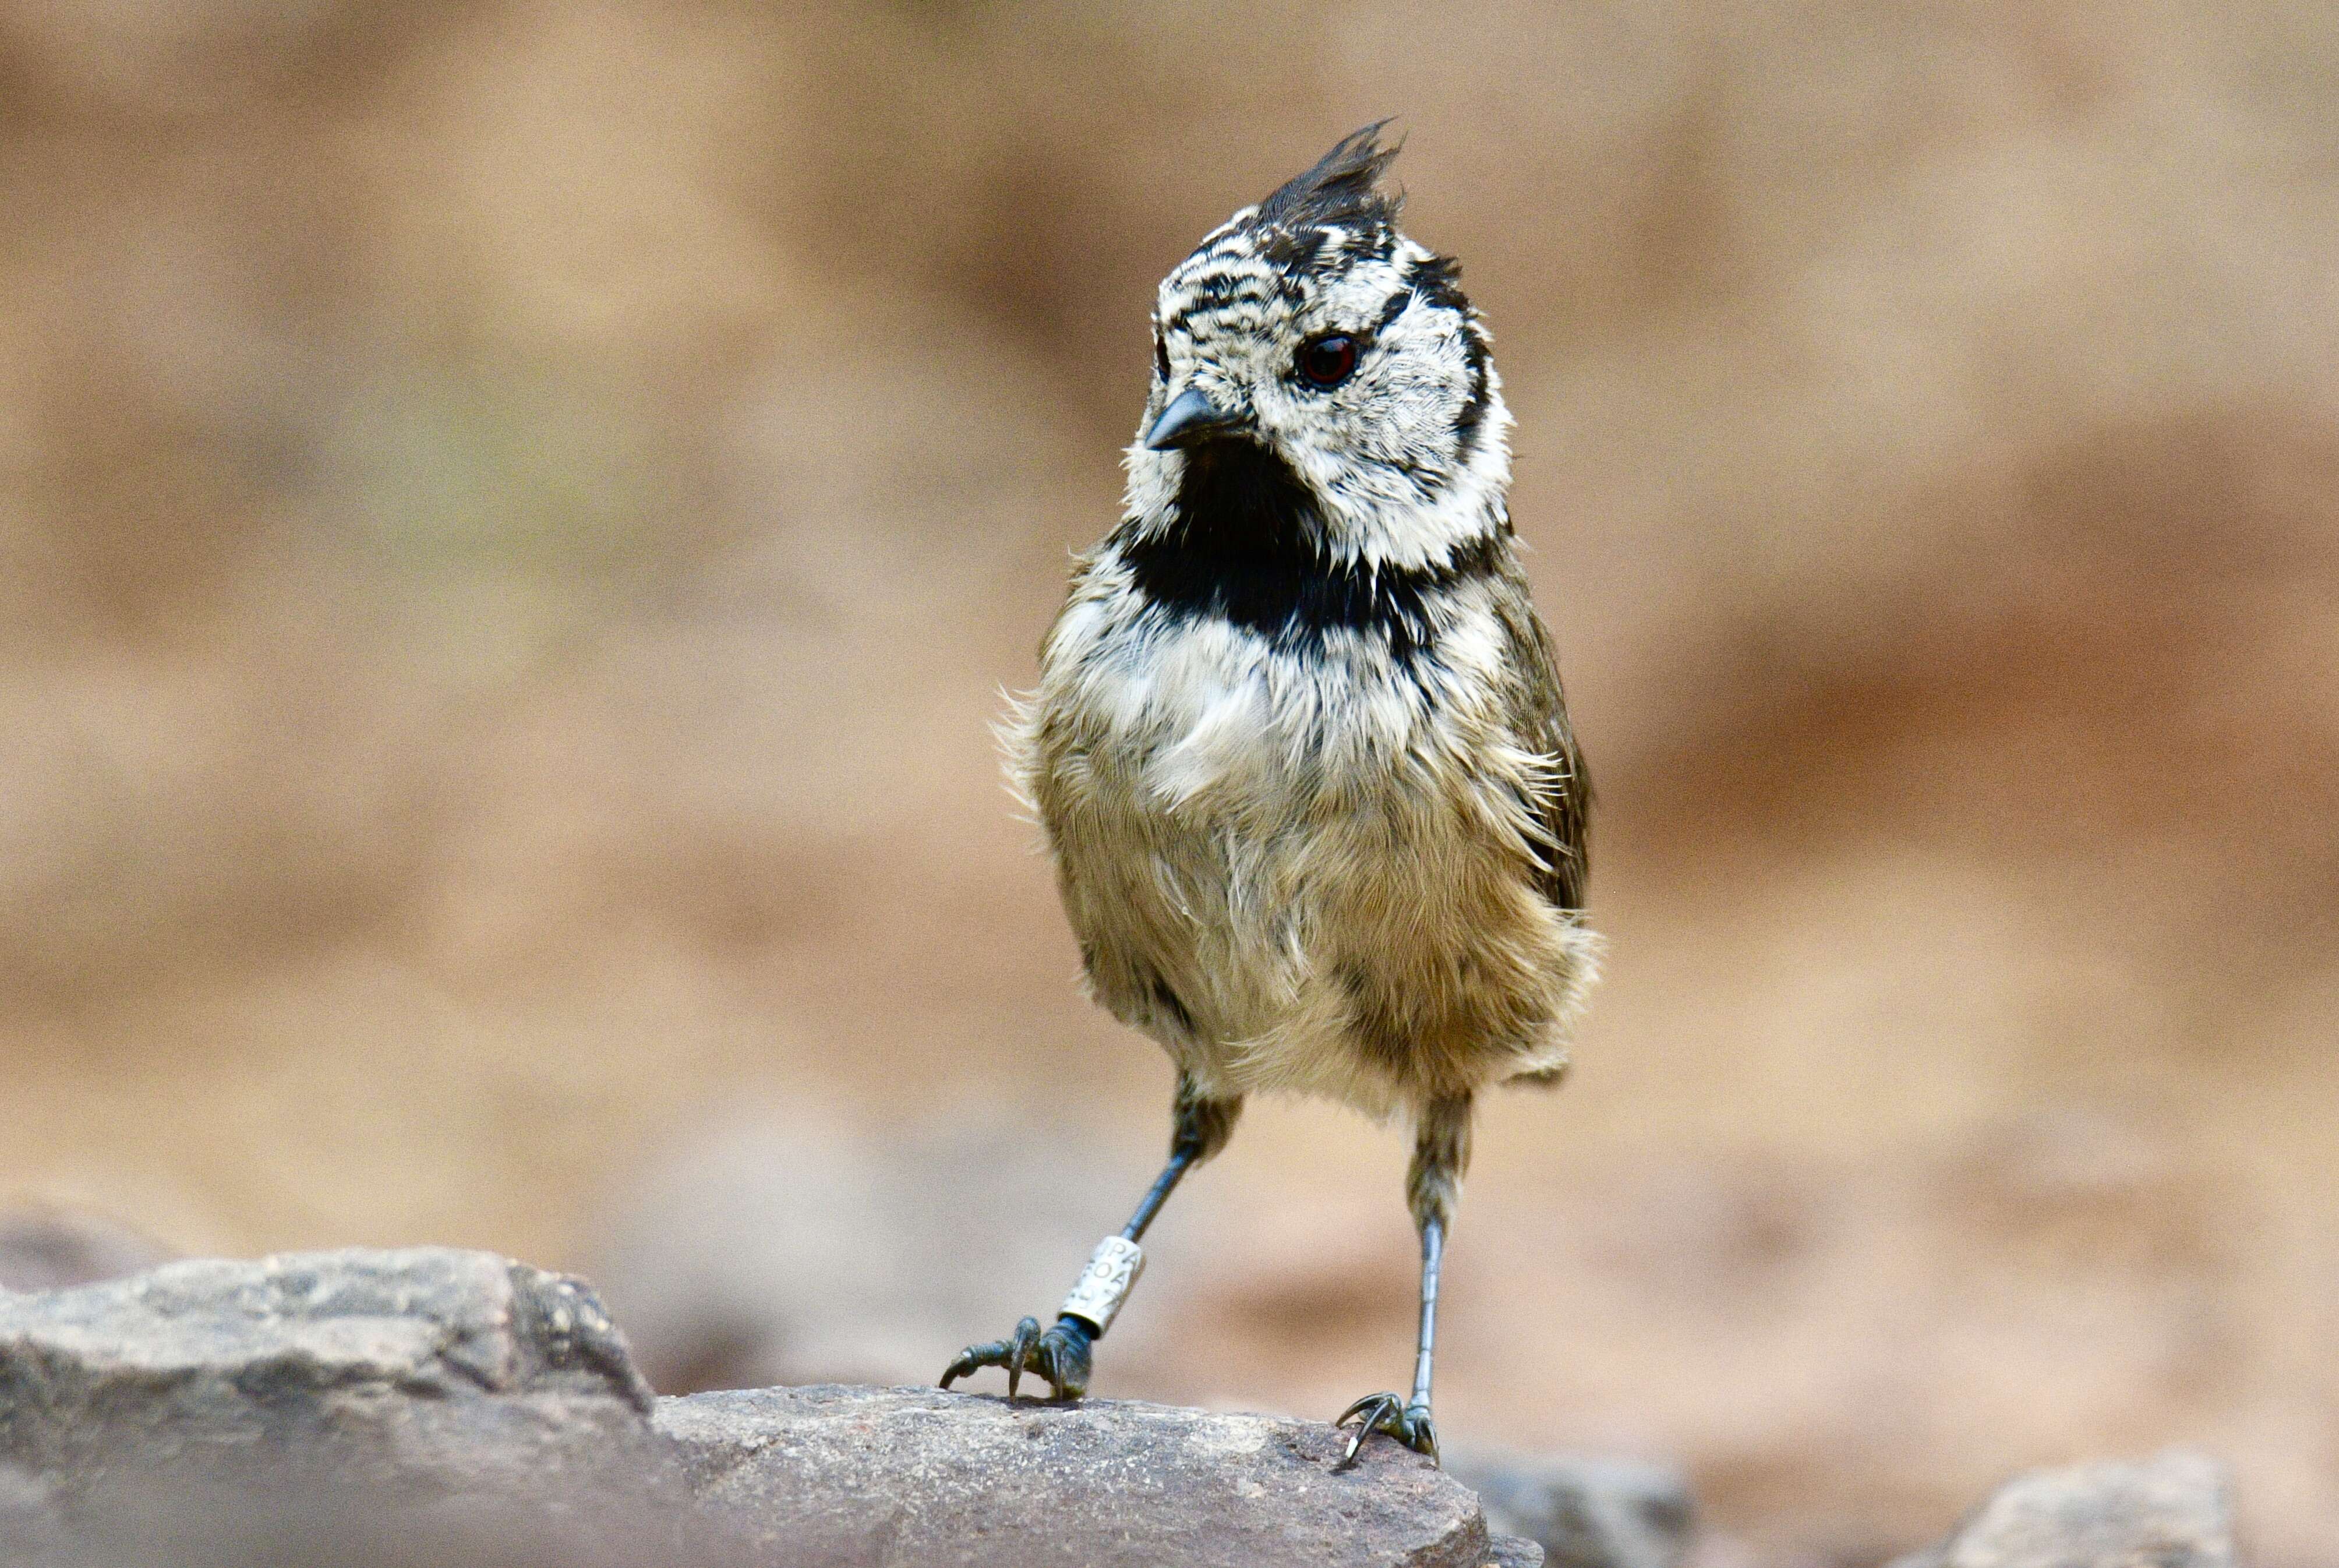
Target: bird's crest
{"points": [[1342, 190]]}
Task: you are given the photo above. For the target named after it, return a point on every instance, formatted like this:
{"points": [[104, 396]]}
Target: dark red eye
{"points": [[1329, 360]]}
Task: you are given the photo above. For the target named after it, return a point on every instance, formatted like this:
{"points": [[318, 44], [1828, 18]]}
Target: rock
{"points": [[2175, 1511], [430, 1371], [837, 1476], [1513, 1552], [394, 1409], [1585, 1512], [54, 1249]]}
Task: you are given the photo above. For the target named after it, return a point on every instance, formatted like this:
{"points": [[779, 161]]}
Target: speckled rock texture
{"points": [[2175, 1511], [830, 1474]]}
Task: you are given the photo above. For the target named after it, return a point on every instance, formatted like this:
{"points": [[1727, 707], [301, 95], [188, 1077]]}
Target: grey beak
{"points": [[1191, 417]]}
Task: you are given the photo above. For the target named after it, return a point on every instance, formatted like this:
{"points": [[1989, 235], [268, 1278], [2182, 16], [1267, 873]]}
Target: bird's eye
{"points": [[1327, 360]]}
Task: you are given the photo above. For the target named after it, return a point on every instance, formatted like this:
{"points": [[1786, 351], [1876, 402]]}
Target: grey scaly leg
{"points": [[1441, 1152], [1062, 1353]]}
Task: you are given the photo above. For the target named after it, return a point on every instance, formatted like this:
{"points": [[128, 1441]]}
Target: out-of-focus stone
{"points": [[430, 1371], [2175, 1511], [1585, 1512], [55, 1250], [30, 1528], [837, 1476], [774, 1249], [1513, 1552]]}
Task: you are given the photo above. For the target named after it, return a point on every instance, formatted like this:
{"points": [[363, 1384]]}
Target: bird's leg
{"points": [[1441, 1152], [1062, 1353]]}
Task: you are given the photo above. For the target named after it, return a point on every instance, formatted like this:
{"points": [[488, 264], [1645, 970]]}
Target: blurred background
{"points": [[515, 518]]}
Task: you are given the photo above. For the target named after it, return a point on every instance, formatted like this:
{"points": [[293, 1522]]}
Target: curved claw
{"points": [[1027, 1337], [1409, 1424], [1009, 1353], [1060, 1354], [973, 1357]]}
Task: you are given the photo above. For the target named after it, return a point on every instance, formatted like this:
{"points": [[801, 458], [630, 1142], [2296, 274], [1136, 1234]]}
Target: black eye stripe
{"points": [[1394, 309], [1310, 365]]}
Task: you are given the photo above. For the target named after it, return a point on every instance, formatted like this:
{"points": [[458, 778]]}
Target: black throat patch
{"points": [[1246, 547]]}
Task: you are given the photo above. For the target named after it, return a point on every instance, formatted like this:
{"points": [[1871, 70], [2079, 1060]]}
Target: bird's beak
{"points": [[1191, 417]]}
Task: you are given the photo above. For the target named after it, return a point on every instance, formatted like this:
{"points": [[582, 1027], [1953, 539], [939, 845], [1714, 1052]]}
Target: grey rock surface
{"points": [[1513, 1552], [431, 1370], [48, 1248], [831, 1474], [2175, 1511], [376, 1409], [1584, 1512]]}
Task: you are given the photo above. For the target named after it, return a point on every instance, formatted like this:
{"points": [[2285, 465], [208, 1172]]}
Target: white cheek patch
{"points": [[1153, 479]]}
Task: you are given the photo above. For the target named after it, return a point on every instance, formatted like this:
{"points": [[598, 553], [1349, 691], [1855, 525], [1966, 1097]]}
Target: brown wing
{"points": [[1538, 716]]}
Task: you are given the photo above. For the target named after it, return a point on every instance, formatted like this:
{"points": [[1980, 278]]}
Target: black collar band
{"points": [[1245, 546]]}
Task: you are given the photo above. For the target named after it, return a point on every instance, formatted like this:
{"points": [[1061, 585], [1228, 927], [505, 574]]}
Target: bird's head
{"points": [[1307, 344]]}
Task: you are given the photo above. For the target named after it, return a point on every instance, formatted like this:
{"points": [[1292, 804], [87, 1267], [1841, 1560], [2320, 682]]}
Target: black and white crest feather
{"points": [[1343, 190]]}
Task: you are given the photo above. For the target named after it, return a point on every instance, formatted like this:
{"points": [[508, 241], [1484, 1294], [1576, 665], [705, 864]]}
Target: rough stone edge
{"points": [[1941, 1554], [706, 1462]]}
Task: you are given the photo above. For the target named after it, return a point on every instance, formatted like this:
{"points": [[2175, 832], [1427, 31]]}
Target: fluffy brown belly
{"points": [[1282, 915]]}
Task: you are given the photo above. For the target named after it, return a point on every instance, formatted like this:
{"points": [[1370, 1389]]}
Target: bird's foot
{"points": [[1410, 1423], [1061, 1354]]}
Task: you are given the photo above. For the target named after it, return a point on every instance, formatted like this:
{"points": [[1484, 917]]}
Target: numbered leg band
{"points": [[1105, 1284]]}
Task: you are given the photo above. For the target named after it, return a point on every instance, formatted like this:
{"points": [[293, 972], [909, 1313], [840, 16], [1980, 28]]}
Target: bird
{"points": [[1299, 744]]}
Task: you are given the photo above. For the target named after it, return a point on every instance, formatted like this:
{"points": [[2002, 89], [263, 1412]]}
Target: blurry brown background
{"points": [[514, 518]]}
